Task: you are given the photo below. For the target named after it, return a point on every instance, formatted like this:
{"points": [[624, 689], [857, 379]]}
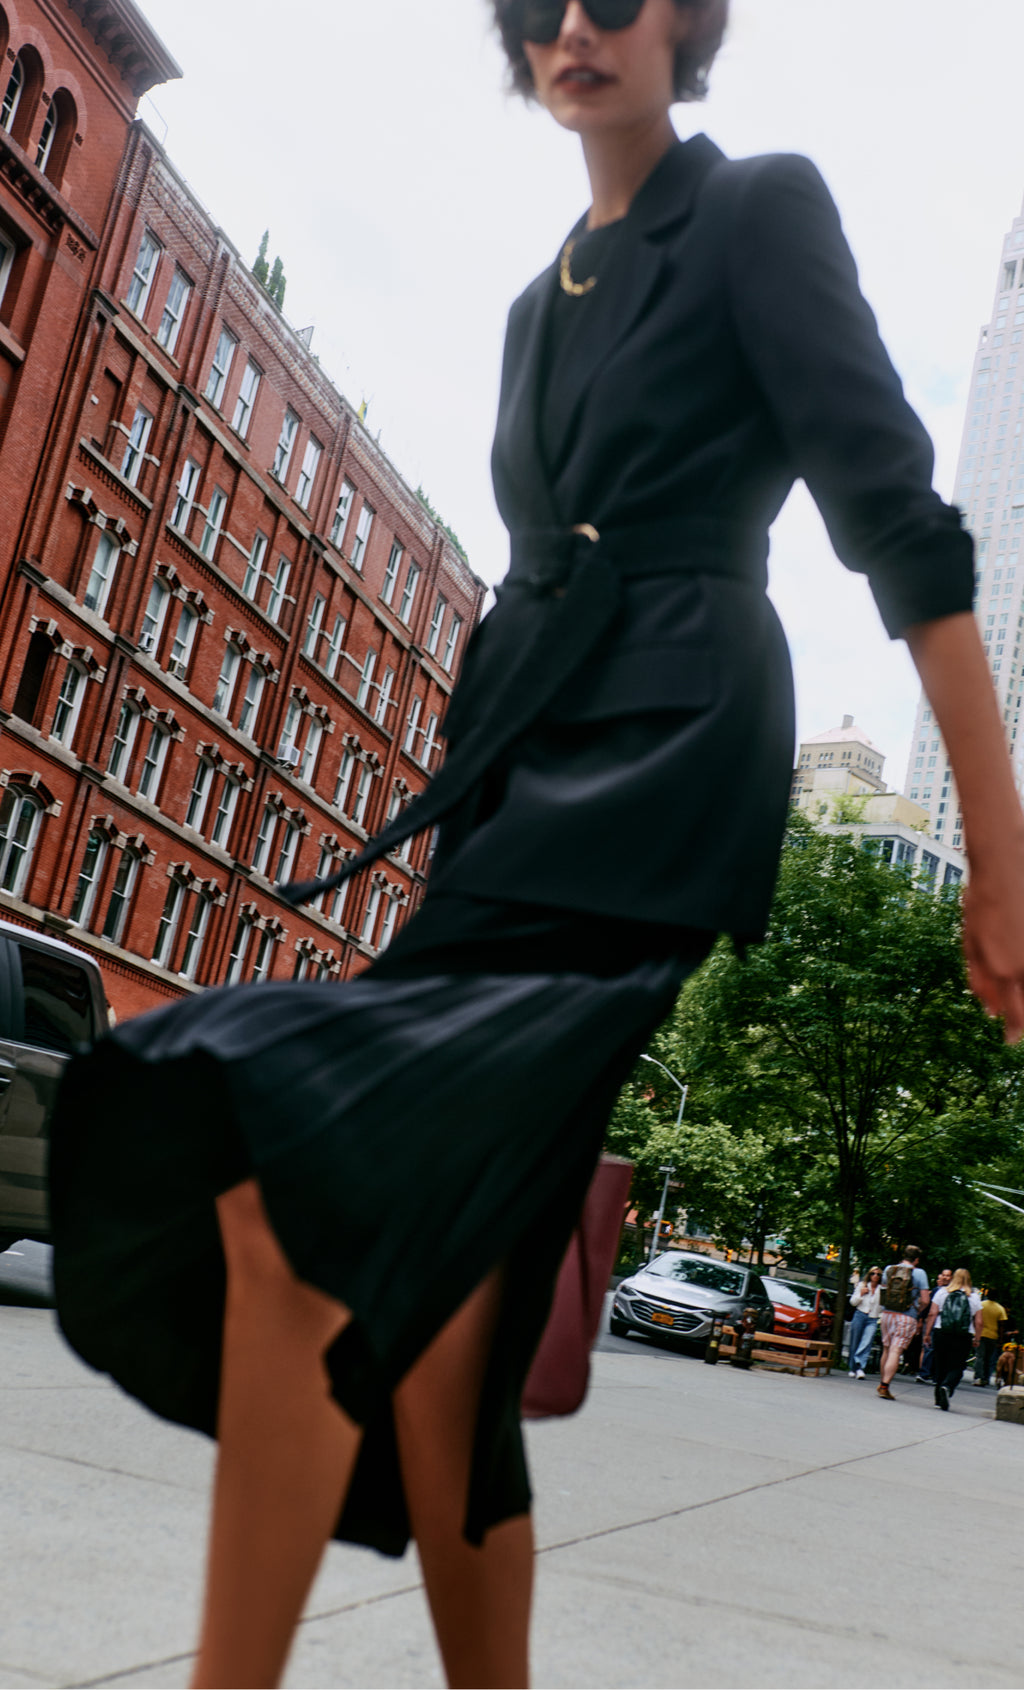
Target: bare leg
{"points": [[479, 1598], [285, 1458], [887, 1367]]}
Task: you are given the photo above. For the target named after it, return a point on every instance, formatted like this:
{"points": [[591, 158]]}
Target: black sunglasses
{"points": [[540, 21]]}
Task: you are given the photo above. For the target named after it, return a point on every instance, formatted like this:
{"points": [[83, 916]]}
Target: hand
{"points": [[994, 938]]}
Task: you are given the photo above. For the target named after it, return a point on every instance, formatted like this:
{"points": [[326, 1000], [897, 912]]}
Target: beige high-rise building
{"points": [[990, 492]]}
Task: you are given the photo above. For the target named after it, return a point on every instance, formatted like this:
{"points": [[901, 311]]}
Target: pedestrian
{"points": [[954, 1318], [867, 1302], [993, 1322], [325, 1221], [924, 1371], [905, 1296]]}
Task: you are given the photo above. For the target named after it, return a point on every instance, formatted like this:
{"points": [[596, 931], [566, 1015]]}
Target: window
{"points": [[344, 781], [254, 567], [174, 310], [334, 647], [20, 815], [69, 703], [6, 261], [366, 679], [412, 727], [262, 848], [359, 544], [46, 136], [142, 276], [153, 764], [283, 455], [314, 734], [277, 591], [153, 621], [409, 591], [263, 960], [120, 896], [429, 741], [251, 701], [341, 513], [225, 814], [226, 680], [101, 576], [220, 369], [239, 947], [134, 452], [287, 749], [435, 625], [329, 864], [196, 932], [307, 474], [181, 650], [384, 697], [362, 794], [168, 927], [88, 877], [390, 915], [187, 484], [246, 398], [58, 1000], [214, 518], [313, 626], [451, 643], [199, 794], [387, 592], [12, 95], [288, 851], [370, 918], [124, 739]]}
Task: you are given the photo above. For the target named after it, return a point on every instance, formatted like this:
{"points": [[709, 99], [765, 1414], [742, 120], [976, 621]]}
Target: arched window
{"points": [[21, 96], [12, 96], [56, 136], [20, 815]]}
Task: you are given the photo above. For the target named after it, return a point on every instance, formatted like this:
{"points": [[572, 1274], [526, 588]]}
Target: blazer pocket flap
{"points": [[636, 679]]}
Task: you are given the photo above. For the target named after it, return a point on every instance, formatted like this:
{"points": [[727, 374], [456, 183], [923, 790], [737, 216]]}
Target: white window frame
{"points": [[7, 251], [285, 444], [288, 850], [152, 770], [239, 948], [264, 839], [249, 387], [263, 961], [289, 732], [363, 790], [173, 314], [307, 474], [214, 521], [154, 617], [342, 512], [451, 643], [387, 591], [183, 643], [13, 90], [311, 749], [370, 918], [124, 883], [199, 795], [87, 886], [248, 716], [185, 497], [193, 951], [436, 624], [430, 740], [364, 528], [167, 927], [135, 450], [314, 626], [384, 697], [412, 578], [343, 784], [254, 567], [279, 588], [366, 678], [47, 136], [101, 575], [220, 367], [144, 274], [226, 680], [123, 744], [69, 704], [334, 645], [15, 850], [390, 916], [412, 728], [224, 814]]}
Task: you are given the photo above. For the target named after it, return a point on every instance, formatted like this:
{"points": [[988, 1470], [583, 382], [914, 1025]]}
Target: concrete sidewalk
{"points": [[697, 1526]]}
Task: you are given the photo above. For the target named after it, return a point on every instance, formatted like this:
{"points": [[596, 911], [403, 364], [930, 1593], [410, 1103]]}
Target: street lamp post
{"points": [[670, 1170]]}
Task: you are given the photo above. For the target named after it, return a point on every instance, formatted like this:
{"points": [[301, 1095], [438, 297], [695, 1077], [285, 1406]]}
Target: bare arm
{"points": [[950, 660]]}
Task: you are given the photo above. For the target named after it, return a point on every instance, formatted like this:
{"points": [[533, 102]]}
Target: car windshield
{"points": [[714, 1276], [795, 1297]]}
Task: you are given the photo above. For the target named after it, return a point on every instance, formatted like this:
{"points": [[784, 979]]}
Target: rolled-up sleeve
{"points": [[812, 344]]}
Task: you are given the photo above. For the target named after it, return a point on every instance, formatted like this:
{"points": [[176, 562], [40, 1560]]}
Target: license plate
{"points": [[661, 1319]]}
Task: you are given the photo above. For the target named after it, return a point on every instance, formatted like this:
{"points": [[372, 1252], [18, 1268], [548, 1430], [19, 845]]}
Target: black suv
{"points": [[51, 1001]]}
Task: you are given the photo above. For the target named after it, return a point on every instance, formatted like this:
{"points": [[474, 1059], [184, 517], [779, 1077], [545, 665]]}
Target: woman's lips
{"points": [[580, 77]]}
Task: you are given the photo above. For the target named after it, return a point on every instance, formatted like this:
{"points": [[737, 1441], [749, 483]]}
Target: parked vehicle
{"points": [[681, 1292], [51, 1001]]}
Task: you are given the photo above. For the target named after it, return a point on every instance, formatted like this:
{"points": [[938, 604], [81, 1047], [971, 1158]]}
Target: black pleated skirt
{"points": [[409, 1129]]}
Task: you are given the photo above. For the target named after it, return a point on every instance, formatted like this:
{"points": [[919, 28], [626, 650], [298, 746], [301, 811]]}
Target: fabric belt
{"points": [[561, 595]]}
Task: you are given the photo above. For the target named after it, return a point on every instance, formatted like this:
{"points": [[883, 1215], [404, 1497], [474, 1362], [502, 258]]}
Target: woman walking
{"points": [[867, 1304], [954, 1323], [698, 343]]}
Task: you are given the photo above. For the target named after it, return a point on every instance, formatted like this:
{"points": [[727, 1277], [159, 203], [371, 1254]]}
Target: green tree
{"points": [[261, 268], [277, 284]]}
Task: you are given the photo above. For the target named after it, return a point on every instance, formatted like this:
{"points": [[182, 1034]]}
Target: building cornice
{"points": [[132, 46]]}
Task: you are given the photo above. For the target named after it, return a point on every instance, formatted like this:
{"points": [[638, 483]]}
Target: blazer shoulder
{"points": [[768, 179]]}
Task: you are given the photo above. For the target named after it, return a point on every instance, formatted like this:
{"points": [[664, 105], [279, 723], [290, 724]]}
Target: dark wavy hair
{"points": [[693, 59]]}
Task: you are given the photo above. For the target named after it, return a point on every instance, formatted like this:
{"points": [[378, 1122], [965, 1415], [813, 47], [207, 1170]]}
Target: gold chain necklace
{"points": [[576, 289]]}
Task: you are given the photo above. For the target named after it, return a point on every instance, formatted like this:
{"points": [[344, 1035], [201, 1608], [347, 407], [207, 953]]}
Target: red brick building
{"points": [[229, 628]]}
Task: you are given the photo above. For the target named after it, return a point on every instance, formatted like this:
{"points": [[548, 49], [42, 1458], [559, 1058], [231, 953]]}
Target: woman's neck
{"points": [[619, 163]]}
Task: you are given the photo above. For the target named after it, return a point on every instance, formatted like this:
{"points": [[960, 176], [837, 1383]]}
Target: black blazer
{"points": [[621, 737]]}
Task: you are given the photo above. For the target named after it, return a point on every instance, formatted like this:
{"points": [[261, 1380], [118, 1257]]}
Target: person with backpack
{"points": [[955, 1316], [905, 1297]]}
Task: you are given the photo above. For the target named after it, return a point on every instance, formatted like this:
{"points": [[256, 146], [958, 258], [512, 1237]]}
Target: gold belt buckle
{"points": [[588, 531]]}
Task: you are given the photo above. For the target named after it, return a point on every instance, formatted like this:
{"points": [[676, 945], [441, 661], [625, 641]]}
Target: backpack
{"points": [[898, 1290], [955, 1313]]}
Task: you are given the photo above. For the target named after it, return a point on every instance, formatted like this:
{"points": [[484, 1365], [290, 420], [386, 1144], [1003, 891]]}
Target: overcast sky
{"points": [[411, 199]]}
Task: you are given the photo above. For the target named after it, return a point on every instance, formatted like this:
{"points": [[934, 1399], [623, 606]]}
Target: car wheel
{"points": [[618, 1328]]}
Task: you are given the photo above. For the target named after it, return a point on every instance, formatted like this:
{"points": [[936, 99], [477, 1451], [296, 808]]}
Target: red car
{"points": [[801, 1311]]}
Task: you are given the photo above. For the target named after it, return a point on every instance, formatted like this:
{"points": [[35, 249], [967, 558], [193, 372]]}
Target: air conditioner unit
{"points": [[290, 755], [146, 642], [178, 670]]}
